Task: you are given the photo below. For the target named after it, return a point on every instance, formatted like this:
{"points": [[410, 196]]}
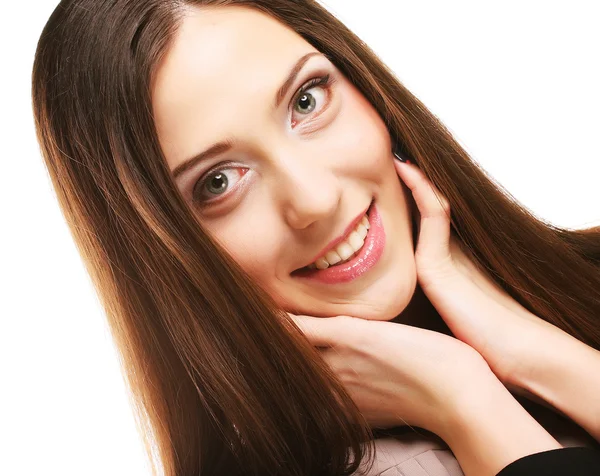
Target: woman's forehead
{"points": [[219, 58]]}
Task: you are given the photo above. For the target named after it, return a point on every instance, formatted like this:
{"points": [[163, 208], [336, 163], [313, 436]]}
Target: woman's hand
{"points": [[398, 374], [528, 354], [477, 310], [403, 375]]}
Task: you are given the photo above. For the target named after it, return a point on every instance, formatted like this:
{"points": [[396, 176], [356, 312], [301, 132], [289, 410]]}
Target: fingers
{"points": [[337, 331], [433, 246], [457, 289], [320, 331]]}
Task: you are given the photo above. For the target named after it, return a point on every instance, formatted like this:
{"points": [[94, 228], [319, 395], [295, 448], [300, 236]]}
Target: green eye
{"points": [[312, 95], [217, 184], [306, 103]]}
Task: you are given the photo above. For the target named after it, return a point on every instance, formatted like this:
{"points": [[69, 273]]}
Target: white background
{"points": [[517, 82]]}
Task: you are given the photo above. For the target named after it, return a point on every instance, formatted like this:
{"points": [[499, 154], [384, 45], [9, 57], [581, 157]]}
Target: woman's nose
{"points": [[308, 193]]}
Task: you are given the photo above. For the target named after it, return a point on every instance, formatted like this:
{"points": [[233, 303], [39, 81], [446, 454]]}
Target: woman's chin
{"points": [[385, 299], [385, 309], [387, 313], [387, 304]]}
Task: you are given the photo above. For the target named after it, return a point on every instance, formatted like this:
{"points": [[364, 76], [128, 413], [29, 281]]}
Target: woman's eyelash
{"points": [[324, 81], [201, 182]]}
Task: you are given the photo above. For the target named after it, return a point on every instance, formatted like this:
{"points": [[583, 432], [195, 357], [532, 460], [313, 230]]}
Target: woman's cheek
{"points": [[361, 132]]}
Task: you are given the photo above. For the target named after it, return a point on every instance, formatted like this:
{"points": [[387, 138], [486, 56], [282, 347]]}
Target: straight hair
{"points": [[220, 381]]}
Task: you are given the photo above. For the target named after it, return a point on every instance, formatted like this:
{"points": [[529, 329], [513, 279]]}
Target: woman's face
{"points": [[296, 167]]}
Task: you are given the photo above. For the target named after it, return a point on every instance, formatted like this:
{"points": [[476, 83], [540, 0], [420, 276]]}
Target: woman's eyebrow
{"points": [[223, 146], [292, 77], [213, 150]]}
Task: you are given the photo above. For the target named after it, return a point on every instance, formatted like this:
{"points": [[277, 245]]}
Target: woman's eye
{"points": [[312, 97], [216, 184], [309, 100]]}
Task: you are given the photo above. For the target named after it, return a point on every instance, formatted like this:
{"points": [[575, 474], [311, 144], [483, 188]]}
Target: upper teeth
{"points": [[346, 249]]}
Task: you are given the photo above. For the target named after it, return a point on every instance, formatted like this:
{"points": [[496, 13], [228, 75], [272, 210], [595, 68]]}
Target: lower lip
{"points": [[367, 257]]}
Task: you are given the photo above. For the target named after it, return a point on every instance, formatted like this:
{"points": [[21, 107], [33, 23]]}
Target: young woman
{"points": [[278, 284]]}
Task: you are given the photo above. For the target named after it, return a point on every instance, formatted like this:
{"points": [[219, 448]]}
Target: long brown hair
{"points": [[221, 383]]}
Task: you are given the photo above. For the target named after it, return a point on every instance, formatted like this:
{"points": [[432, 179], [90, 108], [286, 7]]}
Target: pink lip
{"points": [[342, 237], [367, 257]]}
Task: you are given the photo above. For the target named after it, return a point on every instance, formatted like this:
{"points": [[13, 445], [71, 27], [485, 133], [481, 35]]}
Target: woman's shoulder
{"points": [[412, 453]]}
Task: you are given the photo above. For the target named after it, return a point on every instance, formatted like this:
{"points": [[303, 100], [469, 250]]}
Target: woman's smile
{"points": [[227, 171], [286, 184], [364, 253], [340, 249]]}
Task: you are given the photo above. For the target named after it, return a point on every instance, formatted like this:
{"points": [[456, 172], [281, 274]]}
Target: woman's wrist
{"points": [[487, 429], [562, 371]]}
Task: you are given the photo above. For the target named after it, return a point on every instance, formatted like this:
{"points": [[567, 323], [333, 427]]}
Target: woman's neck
{"points": [[421, 313]]}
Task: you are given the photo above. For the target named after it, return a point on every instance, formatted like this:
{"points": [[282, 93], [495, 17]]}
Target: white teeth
{"points": [[348, 259], [355, 241], [345, 250], [362, 230], [332, 257], [321, 264], [365, 222]]}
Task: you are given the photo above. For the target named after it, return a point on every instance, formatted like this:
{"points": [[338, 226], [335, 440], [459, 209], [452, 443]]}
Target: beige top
{"points": [[412, 454]]}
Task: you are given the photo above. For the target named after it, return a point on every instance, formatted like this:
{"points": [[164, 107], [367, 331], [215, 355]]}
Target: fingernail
{"points": [[401, 158]]}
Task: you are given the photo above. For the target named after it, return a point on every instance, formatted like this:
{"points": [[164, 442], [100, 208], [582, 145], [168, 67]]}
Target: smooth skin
{"points": [[457, 387], [295, 178]]}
